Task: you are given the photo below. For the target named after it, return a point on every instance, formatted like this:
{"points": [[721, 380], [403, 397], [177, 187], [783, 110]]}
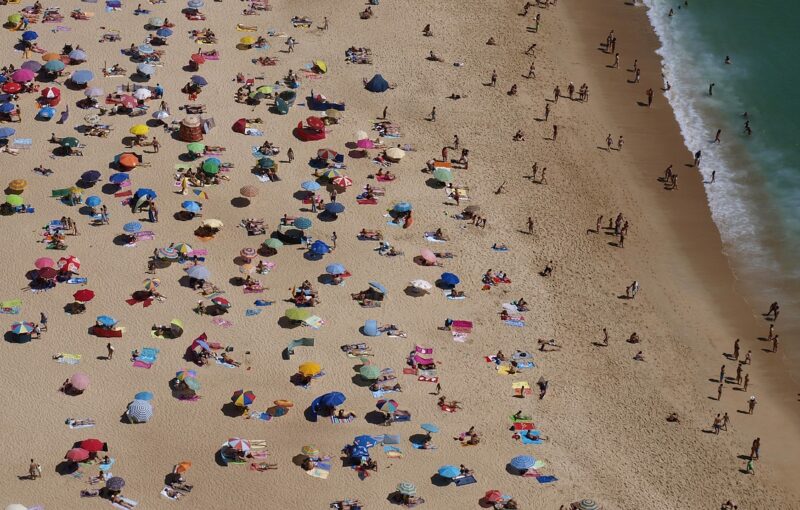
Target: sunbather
{"points": [[118, 499]]}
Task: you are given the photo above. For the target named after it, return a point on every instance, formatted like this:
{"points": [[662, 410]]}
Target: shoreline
{"points": [[698, 266]]}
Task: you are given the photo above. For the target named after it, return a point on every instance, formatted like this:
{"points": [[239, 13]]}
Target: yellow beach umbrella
{"points": [[248, 40], [17, 184], [310, 368], [139, 130], [321, 65]]}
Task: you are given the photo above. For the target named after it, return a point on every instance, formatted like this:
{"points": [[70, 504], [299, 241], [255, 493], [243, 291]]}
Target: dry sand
{"points": [[604, 413]]}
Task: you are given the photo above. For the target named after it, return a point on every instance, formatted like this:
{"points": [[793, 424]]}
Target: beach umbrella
{"points": [[80, 382], [7, 107], [427, 255], [238, 444], [92, 445], [449, 471], [212, 223], [342, 181], [493, 496], [47, 273], [22, 76], [310, 186], [266, 163], [90, 176], [402, 207], [332, 399], [128, 101], [443, 175], [183, 248], [11, 87], [302, 223], [155, 21], [161, 115], [143, 395], [71, 264], [247, 268], [331, 174], [151, 284], [192, 383], [77, 455], [22, 328], [199, 272], [164, 32], [265, 89], [106, 320], [387, 406], [14, 18], [31, 65], [395, 153], [129, 160], [199, 81], [14, 200], [132, 227], [450, 279], [321, 65], [315, 123], [195, 4], [198, 58], [326, 154], [333, 114], [472, 209], [248, 253], [335, 269], [298, 314], [587, 504], [248, 191], [43, 262], [146, 49], [51, 92], [142, 94], [69, 141], [139, 411], [183, 466], [365, 143], [248, 40], [83, 296], [82, 77], [115, 483], [361, 135], [47, 113], [176, 325], [221, 301], [421, 285], [184, 374], [273, 243], [29, 35], [17, 184], [319, 248], [93, 92], [139, 130], [310, 451], [196, 147], [93, 201], [430, 428], [5, 132], [369, 372], [242, 398], [54, 66], [407, 488], [334, 208], [365, 441], [192, 206], [118, 178], [146, 69], [211, 166], [522, 462], [378, 287], [78, 55], [309, 368]]}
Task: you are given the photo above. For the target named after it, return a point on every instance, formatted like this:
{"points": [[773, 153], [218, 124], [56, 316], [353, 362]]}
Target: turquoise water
{"points": [[755, 199]]}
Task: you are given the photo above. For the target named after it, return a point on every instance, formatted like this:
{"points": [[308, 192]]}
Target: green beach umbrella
{"points": [[443, 175], [370, 372], [14, 200], [70, 142], [210, 167], [273, 243], [196, 148], [15, 18], [298, 314]]}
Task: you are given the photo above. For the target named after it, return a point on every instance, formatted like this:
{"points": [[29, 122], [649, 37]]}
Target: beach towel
{"points": [[263, 416], [367, 201], [321, 470], [393, 452], [106, 465], [423, 378], [431, 239], [68, 359], [222, 363], [526, 440], [252, 311], [314, 322], [164, 493], [126, 500], [219, 321], [465, 480], [22, 143], [515, 323], [142, 364], [500, 248], [148, 355], [383, 178], [525, 364], [461, 326], [525, 424], [420, 446], [448, 295], [546, 479], [460, 337], [381, 393], [349, 419]]}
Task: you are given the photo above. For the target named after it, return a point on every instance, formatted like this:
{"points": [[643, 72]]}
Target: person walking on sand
{"points": [[756, 446], [775, 343], [433, 115], [739, 373], [530, 225], [34, 470], [736, 350], [748, 358], [774, 310], [722, 374], [719, 391], [385, 112], [746, 382], [716, 137], [546, 111], [751, 404], [605, 337], [717, 424], [749, 469], [43, 321], [438, 389], [532, 71], [649, 98], [609, 142], [493, 80], [456, 142], [725, 421], [556, 94], [619, 143], [615, 65], [290, 155], [110, 349]]}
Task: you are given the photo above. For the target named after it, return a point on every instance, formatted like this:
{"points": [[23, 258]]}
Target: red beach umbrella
{"points": [[83, 296], [11, 87], [77, 455], [47, 273], [92, 445], [315, 123], [128, 101], [43, 262], [342, 181]]}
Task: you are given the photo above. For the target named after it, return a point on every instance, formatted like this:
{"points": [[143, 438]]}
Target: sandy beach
{"points": [[604, 413]]}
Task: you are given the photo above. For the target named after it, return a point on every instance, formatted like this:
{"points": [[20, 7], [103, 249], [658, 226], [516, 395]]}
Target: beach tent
{"points": [[191, 129], [377, 84]]}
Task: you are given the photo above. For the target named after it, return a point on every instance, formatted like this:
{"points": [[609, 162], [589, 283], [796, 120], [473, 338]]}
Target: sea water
{"points": [[755, 199]]}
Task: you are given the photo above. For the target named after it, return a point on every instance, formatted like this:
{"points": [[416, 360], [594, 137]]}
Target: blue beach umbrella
{"points": [[29, 35], [319, 248], [77, 55], [143, 395], [145, 192], [93, 201], [199, 80], [332, 399], [199, 272], [164, 32], [46, 113], [302, 223], [106, 320], [118, 178], [146, 49], [54, 66], [140, 411], [310, 186], [132, 227], [5, 132], [82, 77], [32, 65], [430, 428], [6, 108], [378, 287], [334, 208], [191, 206], [449, 471], [335, 269], [371, 328], [402, 207], [450, 279], [195, 4], [146, 69], [522, 462]]}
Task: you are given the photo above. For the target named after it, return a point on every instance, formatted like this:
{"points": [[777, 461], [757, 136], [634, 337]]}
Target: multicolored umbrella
{"points": [[22, 328], [199, 273], [151, 284], [342, 181], [238, 444], [192, 383], [183, 248], [310, 450], [184, 374], [71, 264], [387, 406], [242, 398], [248, 253]]}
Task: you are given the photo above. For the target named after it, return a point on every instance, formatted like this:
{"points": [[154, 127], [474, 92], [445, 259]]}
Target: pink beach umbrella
{"points": [[79, 381], [248, 253], [365, 144], [44, 262], [77, 455], [427, 255], [22, 76]]}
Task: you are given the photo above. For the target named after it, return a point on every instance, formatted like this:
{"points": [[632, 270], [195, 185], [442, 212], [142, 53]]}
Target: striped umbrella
{"points": [[151, 284], [522, 462], [249, 191], [331, 173], [184, 374], [183, 248], [168, 253], [387, 406], [243, 398], [588, 504], [192, 383], [342, 181], [21, 328], [407, 488], [248, 253], [310, 450], [140, 411], [71, 264], [239, 444], [199, 273]]}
